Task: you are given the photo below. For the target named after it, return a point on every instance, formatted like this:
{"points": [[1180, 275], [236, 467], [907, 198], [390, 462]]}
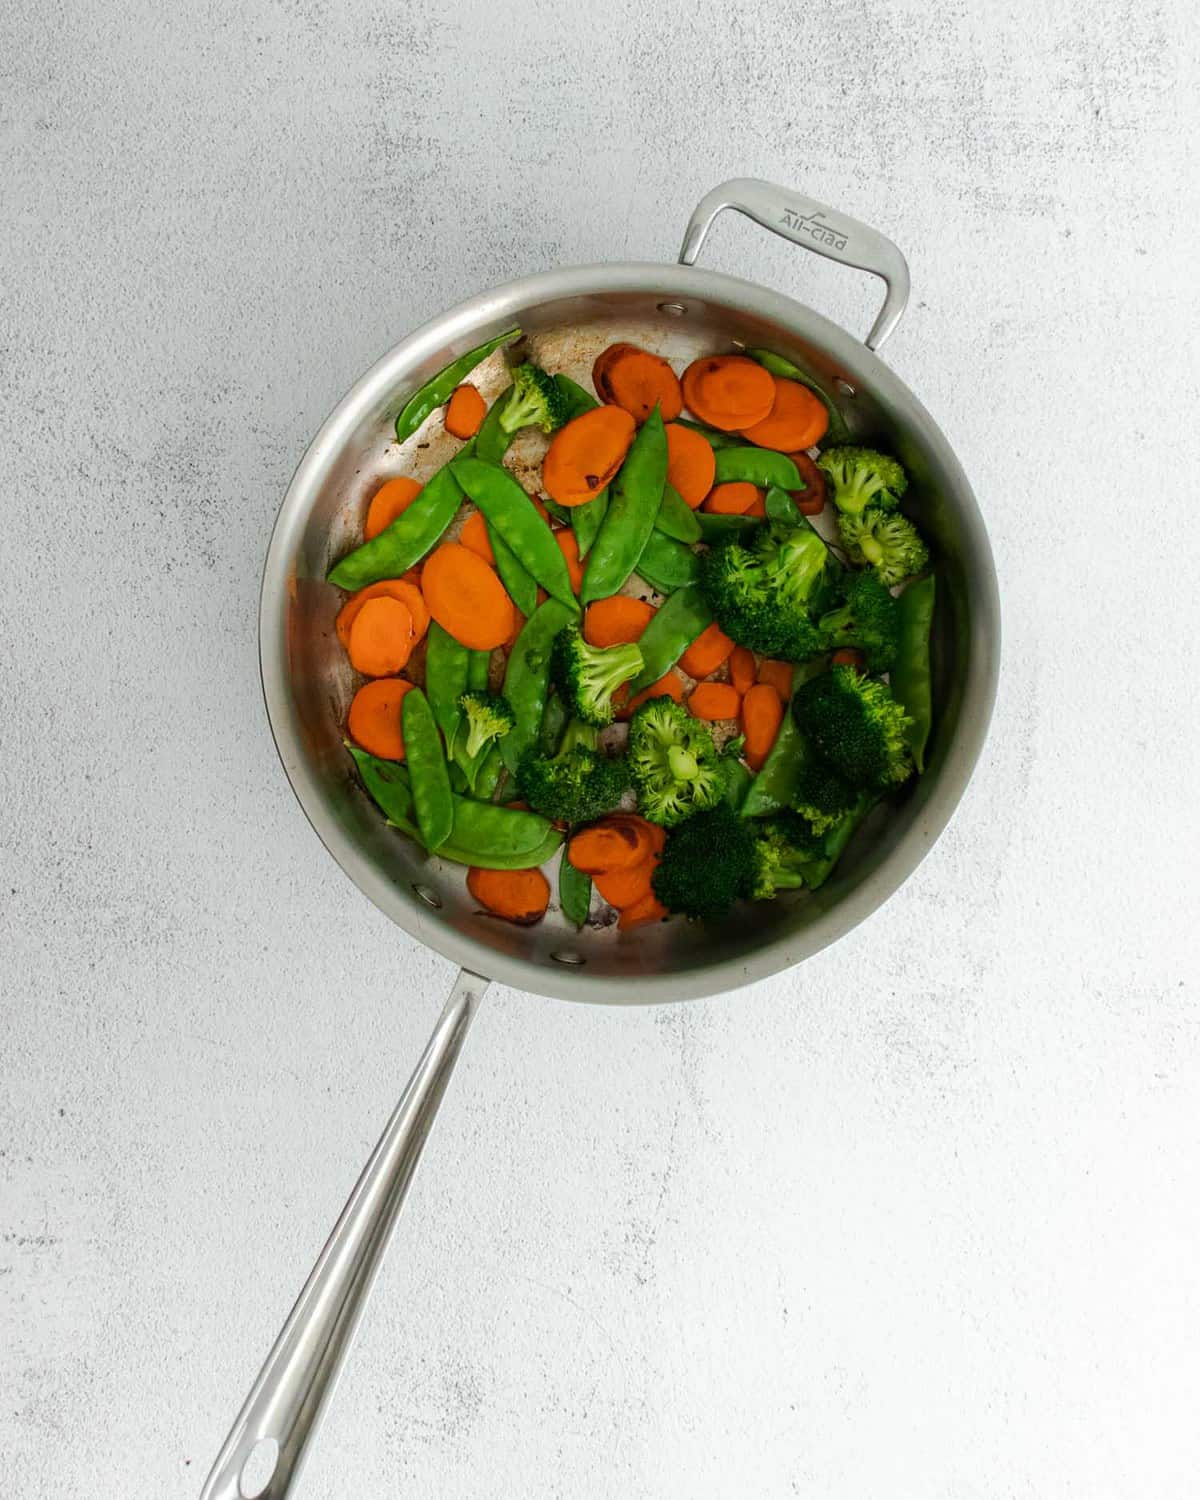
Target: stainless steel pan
{"points": [[569, 315]]}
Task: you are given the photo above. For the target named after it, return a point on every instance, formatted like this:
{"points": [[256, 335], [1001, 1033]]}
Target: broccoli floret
{"points": [[761, 594], [888, 542], [577, 784], [822, 796], [535, 401], [784, 849], [673, 762], [868, 619], [862, 477], [857, 726], [708, 862], [588, 676], [486, 717]]}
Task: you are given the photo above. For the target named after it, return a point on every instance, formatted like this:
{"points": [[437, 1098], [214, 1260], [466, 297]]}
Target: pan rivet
{"points": [[672, 309], [573, 960], [845, 387], [430, 898]]}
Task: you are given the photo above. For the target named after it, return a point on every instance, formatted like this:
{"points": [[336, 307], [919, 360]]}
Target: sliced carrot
{"points": [[601, 363], [623, 887], [475, 535], [381, 638], [648, 909], [736, 497], [611, 844], [691, 463], [714, 700], [670, 685], [778, 674], [585, 454], [728, 391], [762, 714], [759, 508], [810, 501], [520, 896], [706, 653], [639, 381], [797, 419], [403, 589], [388, 503], [616, 621], [568, 545], [742, 670], [465, 412], [374, 720], [466, 598], [847, 656]]}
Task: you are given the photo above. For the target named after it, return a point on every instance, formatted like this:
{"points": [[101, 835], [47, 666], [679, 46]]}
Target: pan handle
{"points": [[264, 1451], [814, 226]]}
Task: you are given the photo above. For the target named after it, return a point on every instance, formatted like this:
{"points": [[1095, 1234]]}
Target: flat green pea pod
{"points": [[738, 781], [489, 775], [519, 582], [479, 667], [511, 513], [711, 436], [666, 564], [818, 871], [574, 893], [672, 630], [779, 776], [721, 528], [527, 677], [911, 674], [447, 665], [491, 441], [585, 519], [633, 507], [676, 518], [579, 400], [439, 390], [838, 431], [405, 542], [428, 773], [760, 466], [781, 507]]}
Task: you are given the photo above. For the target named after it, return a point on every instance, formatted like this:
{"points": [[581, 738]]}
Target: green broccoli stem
{"points": [[520, 410], [684, 765], [577, 733]]}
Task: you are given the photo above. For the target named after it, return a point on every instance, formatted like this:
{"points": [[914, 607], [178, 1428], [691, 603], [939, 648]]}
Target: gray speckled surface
{"points": [[919, 1220]]}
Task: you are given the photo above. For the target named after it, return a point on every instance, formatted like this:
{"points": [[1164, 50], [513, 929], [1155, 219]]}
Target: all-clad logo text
{"points": [[816, 226]]}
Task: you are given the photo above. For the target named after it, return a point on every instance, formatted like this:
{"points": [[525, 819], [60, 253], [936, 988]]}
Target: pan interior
{"points": [[310, 686]]}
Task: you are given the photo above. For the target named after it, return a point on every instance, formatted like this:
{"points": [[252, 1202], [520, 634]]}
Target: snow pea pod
{"points": [[585, 519], [510, 513], [672, 630], [439, 389], [446, 674], [711, 436], [633, 506], [487, 778], [838, 431], [578, 399], [574, 893], [738, 780], [479, 665], [405, 542], [816, 872], [428, 773], [676, 518], [911, 675], [527, 678], [760, 466], [518, 581], [775, 785], [781, 507], [666, 564], [491, 441], [720, 528]]}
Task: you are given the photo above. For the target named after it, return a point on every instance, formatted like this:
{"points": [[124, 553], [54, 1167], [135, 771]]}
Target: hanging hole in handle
{"points": [[672, 309], [430, 897], [567, 957], [256, 1472], [844, 387]]}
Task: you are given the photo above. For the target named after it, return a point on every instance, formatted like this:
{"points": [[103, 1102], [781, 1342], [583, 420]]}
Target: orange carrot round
{"points": [[847, 656], [403, 589], [706, 653], [714, 700], [616, 621], [623, 887], [465, 412], [601, 363], [520, 896], [742, 670], [797, 419], [736, 497], [639, 382], [374, 721], [728, 391], [585, 454], [466, 598], [381, 638], [691, 463], [762, 714], [669, 685], [759, 508], [607, 846], [475, 535], [810, 501], [648, 909], [568, 545], [778, 674], [389, 502]]}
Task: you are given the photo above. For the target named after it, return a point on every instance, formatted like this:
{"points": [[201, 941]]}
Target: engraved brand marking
{"points": [[815, 226]]}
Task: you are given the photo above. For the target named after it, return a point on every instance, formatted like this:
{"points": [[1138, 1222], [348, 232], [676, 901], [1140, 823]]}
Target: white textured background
{"points": [[918, 1222]]}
